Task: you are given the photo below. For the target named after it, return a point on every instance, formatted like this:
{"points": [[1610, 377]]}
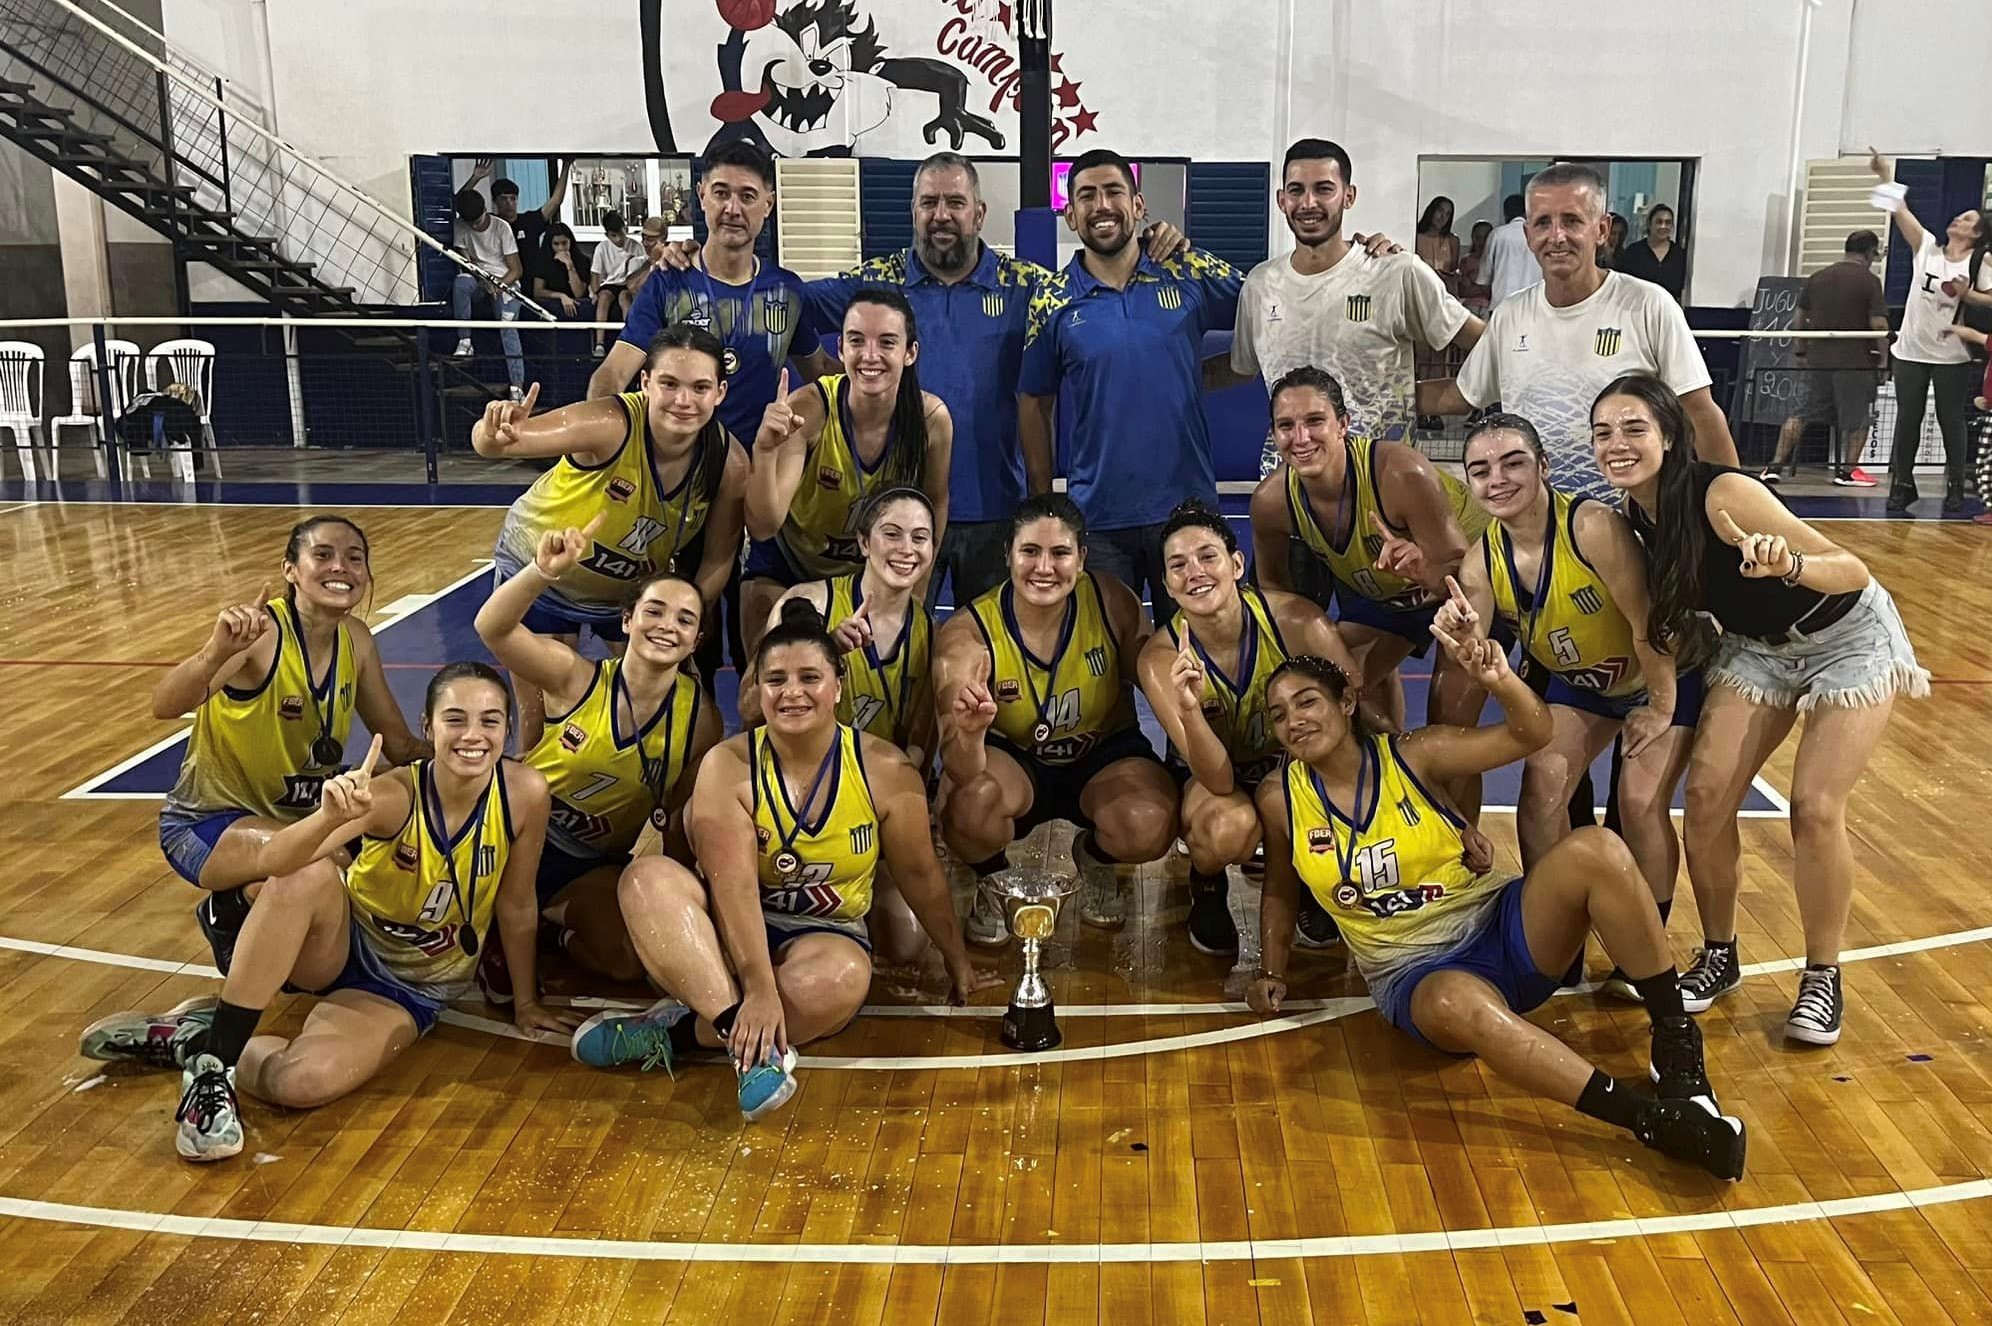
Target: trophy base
{"points": [[1030, 1028]]}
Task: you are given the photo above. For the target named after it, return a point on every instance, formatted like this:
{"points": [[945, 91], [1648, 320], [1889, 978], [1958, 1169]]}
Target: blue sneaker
{"points": [[767, 1086], [610, 1040]]}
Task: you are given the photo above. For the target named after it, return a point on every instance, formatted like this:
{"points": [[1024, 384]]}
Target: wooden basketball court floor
{"points": [[1177, 1160]]}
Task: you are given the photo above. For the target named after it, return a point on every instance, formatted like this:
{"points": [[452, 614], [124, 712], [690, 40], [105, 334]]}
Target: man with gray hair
{"points": [[1550, 348]]}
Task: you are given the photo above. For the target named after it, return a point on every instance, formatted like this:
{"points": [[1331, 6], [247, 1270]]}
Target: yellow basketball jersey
{"points": [[416, 893], [1235, 707], [1354, 562], [1056, 710], [1390, 875], [819, 871], [883, 681], [606, 780], [820, 537], [251, 748], [644, 526], [1566, 620]]}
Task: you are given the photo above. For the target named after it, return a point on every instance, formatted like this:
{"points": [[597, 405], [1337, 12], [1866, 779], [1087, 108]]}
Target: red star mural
{"points": [[1057, 64], [1082, 122], [1068, 92], [1003, 17]]}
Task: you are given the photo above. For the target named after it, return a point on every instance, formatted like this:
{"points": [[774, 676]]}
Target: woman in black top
{"points": [[560, 276], [1804, 629], [1657, 258]]}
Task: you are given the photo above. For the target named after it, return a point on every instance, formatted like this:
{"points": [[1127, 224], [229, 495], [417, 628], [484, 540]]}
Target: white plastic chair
{"points": [[21, 401], [193, 366], [86, 411]]}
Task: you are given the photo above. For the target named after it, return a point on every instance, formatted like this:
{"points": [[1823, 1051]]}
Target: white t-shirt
{"points": [[1549, 364], [1360, 320], [1930, 310], [616, 265], [488, 248], [1508, 266]]}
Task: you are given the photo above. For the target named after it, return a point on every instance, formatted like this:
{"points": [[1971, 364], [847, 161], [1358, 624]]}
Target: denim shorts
{"points": [[1497, 953], [187, 837], [1862, 659]]}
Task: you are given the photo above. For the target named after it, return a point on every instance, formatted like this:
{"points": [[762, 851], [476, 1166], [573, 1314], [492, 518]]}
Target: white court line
{"points": [[18, 506], [962, 1254], [393, 615], [1301, 1013]]}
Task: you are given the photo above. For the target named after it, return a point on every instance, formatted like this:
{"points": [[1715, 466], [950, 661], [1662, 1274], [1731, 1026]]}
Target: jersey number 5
{"points": [[1565, 649]]}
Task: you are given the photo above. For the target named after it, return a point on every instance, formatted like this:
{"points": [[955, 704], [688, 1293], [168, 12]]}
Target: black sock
{"points": [[685, 1035], [722, 1023], [1662, 995], [1666, 906], [1604, 1099], [1219, 882], [231, 1029], [228, 909], [993, 865]]}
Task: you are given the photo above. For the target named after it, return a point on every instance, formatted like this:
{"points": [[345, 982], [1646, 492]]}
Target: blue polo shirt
{"points": [[1128, 365], [971, 346], [762, 322]]}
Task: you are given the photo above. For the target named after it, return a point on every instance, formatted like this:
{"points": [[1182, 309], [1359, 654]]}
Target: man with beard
{"points": [[1120, 335], [1354, 311]]}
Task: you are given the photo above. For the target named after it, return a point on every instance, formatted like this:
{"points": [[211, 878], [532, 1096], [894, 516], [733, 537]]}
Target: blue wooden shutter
{"points": [[1226, 209], [885, 204], [432, 191]]}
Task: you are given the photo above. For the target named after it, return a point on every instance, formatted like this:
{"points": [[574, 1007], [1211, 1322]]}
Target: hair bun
{"points": [[801, 614]]}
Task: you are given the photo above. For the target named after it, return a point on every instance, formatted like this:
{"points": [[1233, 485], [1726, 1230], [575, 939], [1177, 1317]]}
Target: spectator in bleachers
{"points": [[560, 278], [1510, 264], [1842, 296], [618, 257], [487, 244], [529, 229], [1947, 270], [653, 237], [1657, 258], [1614, 245]]}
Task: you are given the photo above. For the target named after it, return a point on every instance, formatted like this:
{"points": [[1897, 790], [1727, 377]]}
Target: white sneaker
{"points": [[986, 925], [464, 349], [210, 1120]]}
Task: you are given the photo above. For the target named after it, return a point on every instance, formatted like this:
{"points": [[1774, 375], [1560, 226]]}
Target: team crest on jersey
{"points": [[1407, 811], [1007, 691], [1587, 600], [993, 303], [487, 859], [1607, 342], [775, 312], [1373, 545], [572, 737], [829, 476], [291, 707], [621, 490], [1169, 297], [861, 839], [1321, 839], [406, 857], [1096, 660], [1357, 308]]}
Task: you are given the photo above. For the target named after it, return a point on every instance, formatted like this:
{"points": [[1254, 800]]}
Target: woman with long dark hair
{"points": [[1437, 244], [1804, 629], [1455, 955], [824, 449], [559, 274]]}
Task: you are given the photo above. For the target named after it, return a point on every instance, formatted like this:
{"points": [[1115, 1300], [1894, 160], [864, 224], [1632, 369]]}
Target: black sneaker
{"points": [[1678, 1070], [1954, 502], [1211, 928], [1693, 1131], [1815, 1016], [1314, 928], [1713, 974], [1899, 500]]}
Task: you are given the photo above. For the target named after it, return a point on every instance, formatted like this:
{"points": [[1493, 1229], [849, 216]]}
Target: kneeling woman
{"points": [[444, 845], [791, 823], [1452, 956], [1805, 629], [1205, 676], [1034, 683], [1567, 576], [623, 737]]}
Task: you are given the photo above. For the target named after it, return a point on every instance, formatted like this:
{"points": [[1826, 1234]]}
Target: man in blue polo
{"points": [[969, 305], [1120, 336]]}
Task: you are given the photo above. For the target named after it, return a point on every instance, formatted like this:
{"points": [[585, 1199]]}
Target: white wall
{"points": [[366, 83], [1474, 187]]}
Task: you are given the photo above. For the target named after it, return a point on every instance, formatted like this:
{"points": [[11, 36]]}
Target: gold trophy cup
{"points": [[1031, 900]]}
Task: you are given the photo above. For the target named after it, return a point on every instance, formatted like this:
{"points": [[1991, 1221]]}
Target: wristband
{"points": [[1792, 576]]}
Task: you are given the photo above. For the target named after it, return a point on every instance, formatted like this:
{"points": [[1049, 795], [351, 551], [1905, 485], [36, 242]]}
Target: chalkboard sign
{"points": [[1772, 383]]}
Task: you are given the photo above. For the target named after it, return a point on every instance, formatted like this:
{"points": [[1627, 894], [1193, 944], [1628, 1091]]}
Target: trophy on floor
{"points": [[1030, 905]]}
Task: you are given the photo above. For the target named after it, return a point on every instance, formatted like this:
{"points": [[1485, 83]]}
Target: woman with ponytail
{"points": [[823, 450], [766, 947], [1803, 629]]}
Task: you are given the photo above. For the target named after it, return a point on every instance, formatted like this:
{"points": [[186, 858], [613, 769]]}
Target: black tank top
{"points": [[1760, 609]]}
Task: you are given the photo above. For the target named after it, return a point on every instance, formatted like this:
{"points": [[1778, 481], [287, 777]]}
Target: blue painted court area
{"points": [[439, 630]]}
